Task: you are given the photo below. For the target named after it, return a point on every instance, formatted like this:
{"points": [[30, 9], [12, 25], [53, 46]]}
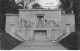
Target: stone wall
{"points": [[13, 22], [68, 19], [32, 13]]}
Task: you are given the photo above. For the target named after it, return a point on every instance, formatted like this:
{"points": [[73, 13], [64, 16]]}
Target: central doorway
{"points": [[40, 34], [40, 21]]}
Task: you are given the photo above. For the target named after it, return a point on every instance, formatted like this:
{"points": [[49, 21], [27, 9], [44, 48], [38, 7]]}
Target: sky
{"points": [[17, 0], [47, 2]]}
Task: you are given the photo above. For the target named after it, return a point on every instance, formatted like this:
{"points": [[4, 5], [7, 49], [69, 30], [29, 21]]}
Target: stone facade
{"points": [[39, 24]]}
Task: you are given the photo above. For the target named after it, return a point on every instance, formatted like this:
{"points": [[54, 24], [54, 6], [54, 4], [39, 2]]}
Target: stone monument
{"points": [[40, 24]]}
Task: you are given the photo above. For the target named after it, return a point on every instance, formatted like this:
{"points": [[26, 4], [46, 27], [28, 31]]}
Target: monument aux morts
{"points": [[39, 24]]}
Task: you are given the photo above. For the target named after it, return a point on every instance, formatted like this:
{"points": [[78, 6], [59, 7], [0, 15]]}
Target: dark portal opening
{"points": [[40, 16], [40, 21]]}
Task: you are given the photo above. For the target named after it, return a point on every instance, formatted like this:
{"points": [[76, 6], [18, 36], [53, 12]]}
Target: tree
{"points": [[75, 6], [36, 6], [25, 3], [7, 6], [76, 9], [4, 10], [66, 5]]}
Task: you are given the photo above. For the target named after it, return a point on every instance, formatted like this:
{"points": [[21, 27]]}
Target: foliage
{"points": [[7, 6], [66, 5], [36, 6], [76, 9], [24, 3]]}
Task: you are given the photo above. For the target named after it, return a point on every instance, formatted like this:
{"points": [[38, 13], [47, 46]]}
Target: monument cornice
{"points": [[39, 9], [68, 14], [12, 14]]}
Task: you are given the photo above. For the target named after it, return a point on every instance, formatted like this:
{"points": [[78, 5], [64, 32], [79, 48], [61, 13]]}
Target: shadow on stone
{"points": [[70, 42], [8, 42]]}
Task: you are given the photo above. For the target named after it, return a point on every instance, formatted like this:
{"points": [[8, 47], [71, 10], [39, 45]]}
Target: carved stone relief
{"points": [[27, 23], [46, 23], [52, 23]]}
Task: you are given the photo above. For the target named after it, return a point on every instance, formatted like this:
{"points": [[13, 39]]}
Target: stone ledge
{"points": [[67, 14], [39, 9], [12, 14]]}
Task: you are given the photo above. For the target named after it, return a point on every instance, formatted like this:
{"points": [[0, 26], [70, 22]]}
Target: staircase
{"points": [[39, 45]]}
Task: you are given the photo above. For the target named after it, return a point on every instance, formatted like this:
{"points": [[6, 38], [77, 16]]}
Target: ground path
{"points": [[39, 45]]}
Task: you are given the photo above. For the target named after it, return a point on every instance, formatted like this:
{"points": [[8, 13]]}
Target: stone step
{"points": [[35, 42], [39, 45]]}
